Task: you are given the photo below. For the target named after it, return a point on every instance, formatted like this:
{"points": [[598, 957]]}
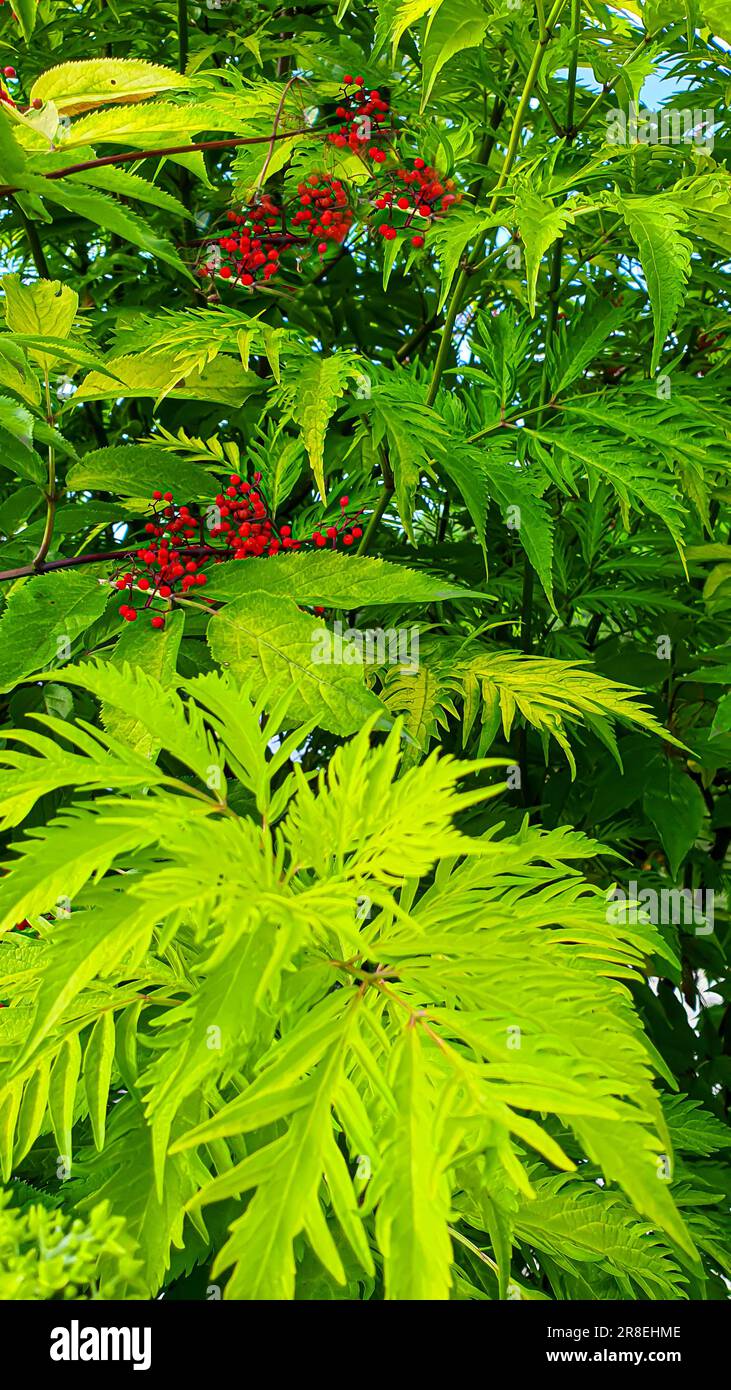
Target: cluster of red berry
{"points": [[263, 233], [323, 210], [321, 214], [166, 559], [243, 521], [252, 252], [412, 193], [240, 517], [363, 114], [345, 532]]}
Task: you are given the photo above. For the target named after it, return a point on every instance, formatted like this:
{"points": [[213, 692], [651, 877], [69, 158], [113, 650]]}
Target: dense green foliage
{"points": [[312, 983]]}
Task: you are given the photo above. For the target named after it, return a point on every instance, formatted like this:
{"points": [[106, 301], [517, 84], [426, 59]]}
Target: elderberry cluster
{"points": [[170, 562], [411, 195], [253, 251], [363, 114], [345, 532], [165, 560], [265, 232], [244, 523], [414, 193]]}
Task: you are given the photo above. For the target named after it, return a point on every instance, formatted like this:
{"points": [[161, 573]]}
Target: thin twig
{"points": [[272, 139], [126, 156]]}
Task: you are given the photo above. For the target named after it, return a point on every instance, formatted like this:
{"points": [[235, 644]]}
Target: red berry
{"points": [[347, 79], [168, 496], [158, 622], [387, 232], [226, 272], [36, 103], [347, 539], [417, 241], [9, 72], [344, 501]]}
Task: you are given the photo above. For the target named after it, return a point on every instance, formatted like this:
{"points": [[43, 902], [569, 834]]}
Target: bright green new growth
{"points": [[356, 1073]]}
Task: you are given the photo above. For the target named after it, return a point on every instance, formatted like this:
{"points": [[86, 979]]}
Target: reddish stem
{"points": [[127, 155]]}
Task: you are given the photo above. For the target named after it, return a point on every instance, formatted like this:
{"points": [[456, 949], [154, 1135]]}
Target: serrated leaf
{"points": [[98, 1062], [93, 82], [540, 224], [269, 641], [138, 470], [156, 651], [410, 1188], [113, 217], [62, 1092], [312, 394], [657, 225], [458, 25], [43, 617], [158, 375], [46, 309], [328, 579]]}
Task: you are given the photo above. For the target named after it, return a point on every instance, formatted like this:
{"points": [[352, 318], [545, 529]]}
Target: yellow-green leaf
{"points": [[62, 1092], [98, 1060], [47, 308], [95, 82]]}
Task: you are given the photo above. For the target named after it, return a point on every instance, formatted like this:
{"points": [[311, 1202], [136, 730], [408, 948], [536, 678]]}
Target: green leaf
{"points": [[410, 1186], [26, 11], [458, 25], [42, 619], [159, 375], [15, 371], [12, 154], [81, 86], [722, 717], [540, 224], [268, 640], [328, 579], [123, 184], [657, 225], [62, 1093], [98, 1062], [138, 470], [156, 651], [449, 239], [113, 217], [578, 345], [717, 16], [311, 394], [676, 808], [46, 309]]}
